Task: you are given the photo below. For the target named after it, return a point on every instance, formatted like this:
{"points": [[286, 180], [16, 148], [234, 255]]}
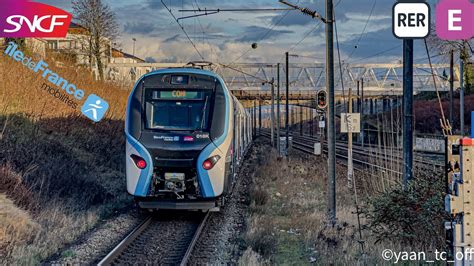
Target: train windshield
{"points": [[178, 109]]}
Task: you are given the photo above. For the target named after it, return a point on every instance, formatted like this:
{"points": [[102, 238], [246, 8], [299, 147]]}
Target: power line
{"points": [[264, 35], [245, 73], [377, 54], [182, 28], [309, 32], [363, 30], [205, 35], [340, 65], [235, 10]]}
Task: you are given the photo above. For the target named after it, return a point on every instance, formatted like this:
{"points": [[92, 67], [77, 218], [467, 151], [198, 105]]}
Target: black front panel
{"points": [[174, 145], [219, 115], [135, 112]]}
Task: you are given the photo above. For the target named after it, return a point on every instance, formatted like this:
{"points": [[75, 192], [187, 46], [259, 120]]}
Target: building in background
{"points": [[35, 46], [76, 46]]}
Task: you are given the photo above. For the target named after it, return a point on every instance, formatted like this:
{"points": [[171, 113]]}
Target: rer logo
{"points": [[94, 108], [23, 18], [411, 20], [455, 20]]}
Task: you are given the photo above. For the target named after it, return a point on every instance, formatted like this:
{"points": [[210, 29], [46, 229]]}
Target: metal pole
{"points": [[301, 120], [331, 112], [287, 102], [272, 116], [461, 97], [407, 111], [254, 118], [350, 170], [362, 133], [260, 122], [451, 88], [278, 109], [358, 99]]}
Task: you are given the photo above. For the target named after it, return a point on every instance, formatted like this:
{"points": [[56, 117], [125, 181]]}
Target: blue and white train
{"points": [[186, 135]]}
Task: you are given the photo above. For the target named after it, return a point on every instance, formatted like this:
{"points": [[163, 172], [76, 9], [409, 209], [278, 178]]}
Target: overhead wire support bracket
{"points": [[218, 10], [199, 15], [307, 11]]}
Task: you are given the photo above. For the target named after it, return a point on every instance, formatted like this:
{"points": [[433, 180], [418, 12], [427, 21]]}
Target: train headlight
{"points": [[210, 162], [139, 161]]}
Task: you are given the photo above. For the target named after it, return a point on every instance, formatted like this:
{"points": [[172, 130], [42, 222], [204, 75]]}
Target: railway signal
{"points": [[321, 99]]}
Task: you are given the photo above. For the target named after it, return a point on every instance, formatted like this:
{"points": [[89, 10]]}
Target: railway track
{"points": [[363, 156], [166, 240]]}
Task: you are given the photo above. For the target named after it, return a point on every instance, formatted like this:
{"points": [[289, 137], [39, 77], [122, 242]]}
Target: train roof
{"points": [[184, 70]]}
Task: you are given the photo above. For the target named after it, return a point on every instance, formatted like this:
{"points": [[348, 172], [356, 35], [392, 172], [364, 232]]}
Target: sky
{"points": [[363, 27]]}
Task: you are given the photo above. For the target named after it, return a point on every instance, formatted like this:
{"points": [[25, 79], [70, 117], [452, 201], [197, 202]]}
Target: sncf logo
{"points": [[23, 18]]}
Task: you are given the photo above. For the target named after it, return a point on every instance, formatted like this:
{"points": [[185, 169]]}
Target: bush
{"points": [[412, 216], [260, 237], [259, 196]]}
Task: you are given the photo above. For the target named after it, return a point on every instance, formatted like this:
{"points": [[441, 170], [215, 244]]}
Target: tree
{"points": [[464, 47], [99, 20]]}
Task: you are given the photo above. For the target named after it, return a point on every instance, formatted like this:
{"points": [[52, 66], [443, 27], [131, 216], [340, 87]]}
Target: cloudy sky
{"points": [[364, 31]]}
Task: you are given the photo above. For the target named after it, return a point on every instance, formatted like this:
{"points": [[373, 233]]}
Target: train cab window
{"points": [[178, 109]]}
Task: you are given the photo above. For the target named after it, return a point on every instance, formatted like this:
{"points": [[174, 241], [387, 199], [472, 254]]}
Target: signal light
{"points": [[210, 162], [139, 161], [321, 99]]}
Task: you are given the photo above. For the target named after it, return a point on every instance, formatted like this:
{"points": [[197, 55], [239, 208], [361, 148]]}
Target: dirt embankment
{"points": [[60, 172]]}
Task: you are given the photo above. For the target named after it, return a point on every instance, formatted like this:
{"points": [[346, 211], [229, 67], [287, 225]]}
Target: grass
{"points": [[60, 173], [288, 223]]}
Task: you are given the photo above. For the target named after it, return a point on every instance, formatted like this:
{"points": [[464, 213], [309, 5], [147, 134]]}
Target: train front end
{"points": [[178, 140]]}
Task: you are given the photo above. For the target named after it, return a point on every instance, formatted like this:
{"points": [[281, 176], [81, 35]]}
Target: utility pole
{"points": [[301, 120], [278, 109], [461, 97], [407, 111], [331, 112], [362, 111], [451, 88], [287, 102], [331, 130], [272, 116], [254, 118], [134, 41], [350, 167], [358, 94], [259, 116]]}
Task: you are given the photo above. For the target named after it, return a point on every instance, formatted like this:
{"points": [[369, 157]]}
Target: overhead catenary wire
{"points": [[363, 30], [309, 32], [243, 72], [263, 36], [339, 59], [182, 28], [213, 52], [377, 54]]}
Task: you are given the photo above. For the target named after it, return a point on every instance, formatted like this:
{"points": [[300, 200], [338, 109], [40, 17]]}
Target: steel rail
{"points": [[125, 242], [123, 245], [196, 236]]}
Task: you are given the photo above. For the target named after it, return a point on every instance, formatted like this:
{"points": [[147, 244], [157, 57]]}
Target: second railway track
{"points": [[158, 240]]}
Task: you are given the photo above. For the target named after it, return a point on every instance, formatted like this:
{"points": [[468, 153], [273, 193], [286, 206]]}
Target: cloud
{"points": [[156, 4], [255, 33], [138, 27], [172, 39]]}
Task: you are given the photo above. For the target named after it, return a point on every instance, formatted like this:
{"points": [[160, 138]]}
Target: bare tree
{"points": [[99, 19], [464, 47]]}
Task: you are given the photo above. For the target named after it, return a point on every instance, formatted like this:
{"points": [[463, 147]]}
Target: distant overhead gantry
{"points": [[307, 78]]}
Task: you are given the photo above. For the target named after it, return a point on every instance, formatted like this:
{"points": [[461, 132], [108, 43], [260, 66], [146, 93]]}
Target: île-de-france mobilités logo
{"points": [[25, 18]]}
